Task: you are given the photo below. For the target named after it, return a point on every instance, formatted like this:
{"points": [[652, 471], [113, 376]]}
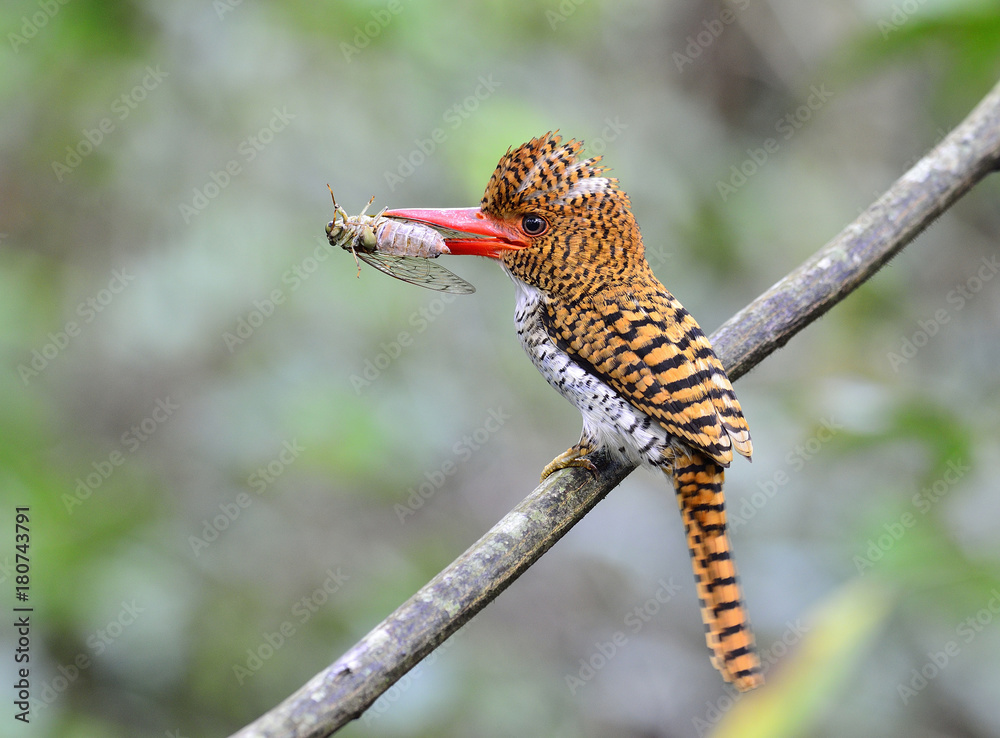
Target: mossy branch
{"points": [[344, 690]]}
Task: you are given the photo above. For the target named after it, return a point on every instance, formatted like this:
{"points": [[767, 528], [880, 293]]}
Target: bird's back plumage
{"points": [[644, 344]]}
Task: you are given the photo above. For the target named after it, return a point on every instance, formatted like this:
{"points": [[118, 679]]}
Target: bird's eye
{"points": [[534, 225]]}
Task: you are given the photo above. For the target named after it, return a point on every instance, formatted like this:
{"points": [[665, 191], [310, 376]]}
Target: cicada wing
{"points": [[418, 271]]}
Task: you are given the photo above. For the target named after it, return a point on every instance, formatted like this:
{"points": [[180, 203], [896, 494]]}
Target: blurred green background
{"points": [[238, 457]]}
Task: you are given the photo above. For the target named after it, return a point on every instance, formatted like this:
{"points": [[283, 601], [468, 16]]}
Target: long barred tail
{"points": [[698, 482]]}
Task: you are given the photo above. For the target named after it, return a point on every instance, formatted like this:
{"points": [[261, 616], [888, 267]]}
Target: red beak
{"points": [[466, 231]]}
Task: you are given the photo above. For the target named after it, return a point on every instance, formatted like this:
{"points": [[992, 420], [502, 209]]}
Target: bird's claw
{"points": [[573, 456]]}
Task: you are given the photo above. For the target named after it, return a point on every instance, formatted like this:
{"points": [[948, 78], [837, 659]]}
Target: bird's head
{"points": [[553, 219]]}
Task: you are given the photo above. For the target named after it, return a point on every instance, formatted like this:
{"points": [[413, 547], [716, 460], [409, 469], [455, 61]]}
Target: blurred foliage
{"points": [[833, 642], [163, 191], [959, 44]]}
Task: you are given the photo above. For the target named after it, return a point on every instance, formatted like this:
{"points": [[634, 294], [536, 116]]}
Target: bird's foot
{"points": [[573, 456]]}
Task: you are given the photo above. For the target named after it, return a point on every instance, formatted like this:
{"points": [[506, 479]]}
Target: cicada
{"points": [[399, 248]]}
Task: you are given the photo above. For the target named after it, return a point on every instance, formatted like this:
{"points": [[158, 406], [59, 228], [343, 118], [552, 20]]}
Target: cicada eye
{"points": [[329, 229]]}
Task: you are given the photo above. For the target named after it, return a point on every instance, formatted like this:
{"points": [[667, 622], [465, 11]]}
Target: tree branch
{"points": [[347, 688]]}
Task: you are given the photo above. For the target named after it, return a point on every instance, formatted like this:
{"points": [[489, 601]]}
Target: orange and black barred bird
{"points": [[612, 340]]}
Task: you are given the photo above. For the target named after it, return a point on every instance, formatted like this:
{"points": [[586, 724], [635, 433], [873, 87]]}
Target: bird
{"points": [[607, 335]]}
